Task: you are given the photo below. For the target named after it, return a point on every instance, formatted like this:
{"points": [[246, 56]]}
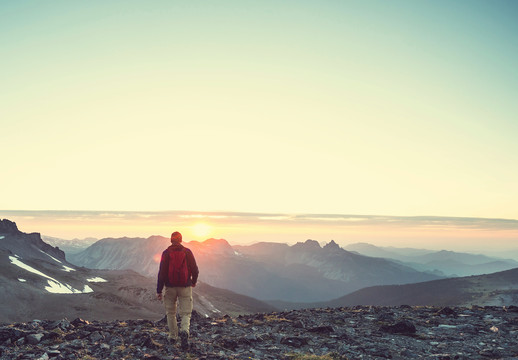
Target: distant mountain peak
{"points": [[213, 241], [449, 252], [8, 227], [26, 245], [332, 245], [363, 244], [217, 246], [308, 244], [156, 238]]}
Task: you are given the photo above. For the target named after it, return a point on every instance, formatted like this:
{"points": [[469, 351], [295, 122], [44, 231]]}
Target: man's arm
{"points": [[162, 273], [193, 268]]}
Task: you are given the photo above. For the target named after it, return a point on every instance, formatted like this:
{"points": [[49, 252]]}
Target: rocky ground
{"points": [[343, 333]]}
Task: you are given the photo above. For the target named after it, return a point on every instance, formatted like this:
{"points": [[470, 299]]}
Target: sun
{"points": [[201, 230]]}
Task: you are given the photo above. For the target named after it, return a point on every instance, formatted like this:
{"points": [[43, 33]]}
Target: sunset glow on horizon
{"points": [[201, 230], [276, 110], [439, 233]]}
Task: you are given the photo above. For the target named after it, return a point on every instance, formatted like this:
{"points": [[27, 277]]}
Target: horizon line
{"points": [[265, 213]]}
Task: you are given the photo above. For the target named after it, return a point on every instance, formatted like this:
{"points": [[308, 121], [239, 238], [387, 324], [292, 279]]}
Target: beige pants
{"points": [[184, 296]]}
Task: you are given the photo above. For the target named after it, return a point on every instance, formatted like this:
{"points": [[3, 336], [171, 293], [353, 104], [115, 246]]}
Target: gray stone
{"points": [[34, 339], [403, 327], [53, 353], [95, 336]]}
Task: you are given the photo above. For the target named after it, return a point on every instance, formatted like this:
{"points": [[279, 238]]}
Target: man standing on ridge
{"points": [[178, 272]]}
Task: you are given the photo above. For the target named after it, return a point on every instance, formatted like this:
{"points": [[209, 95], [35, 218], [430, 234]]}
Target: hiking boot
{"points": [[184, 337]]}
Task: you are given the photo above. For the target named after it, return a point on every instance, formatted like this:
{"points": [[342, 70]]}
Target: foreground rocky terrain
{"points": [[342, 333]]}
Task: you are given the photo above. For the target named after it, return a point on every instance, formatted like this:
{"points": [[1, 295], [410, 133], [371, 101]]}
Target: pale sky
{"points": [[396, 108]]}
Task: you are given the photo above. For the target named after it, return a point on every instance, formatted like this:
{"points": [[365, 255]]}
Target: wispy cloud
{"points": [[171, 217], [432, 232]]}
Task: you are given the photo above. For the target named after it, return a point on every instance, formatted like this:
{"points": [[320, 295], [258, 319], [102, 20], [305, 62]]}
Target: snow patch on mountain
{"points": [[96, 279], [22, 280], [54, 286], [208, 305], [68, 268], [60, 288], [52, 257], [65, 268]]}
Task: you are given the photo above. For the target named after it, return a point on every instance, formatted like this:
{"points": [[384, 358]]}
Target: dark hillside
{"points": [[438, 293], [499, 289]]}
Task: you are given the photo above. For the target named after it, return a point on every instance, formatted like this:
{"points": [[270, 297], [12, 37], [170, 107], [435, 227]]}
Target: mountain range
{"points": [[266, 271], [69, 246], [443, 263], [37, 281]]}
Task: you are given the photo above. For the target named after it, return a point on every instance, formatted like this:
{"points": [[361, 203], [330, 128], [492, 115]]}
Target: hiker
{"points": [[178, 273]]}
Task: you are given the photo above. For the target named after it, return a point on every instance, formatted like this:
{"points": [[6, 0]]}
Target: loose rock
{"points": [[360, 332]]}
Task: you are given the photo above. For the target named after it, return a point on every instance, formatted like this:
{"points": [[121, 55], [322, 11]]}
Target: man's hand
{"points": [[159, 296]]}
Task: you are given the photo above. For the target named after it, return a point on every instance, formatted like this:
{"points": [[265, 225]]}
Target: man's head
{"points": [[176, 237]]}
